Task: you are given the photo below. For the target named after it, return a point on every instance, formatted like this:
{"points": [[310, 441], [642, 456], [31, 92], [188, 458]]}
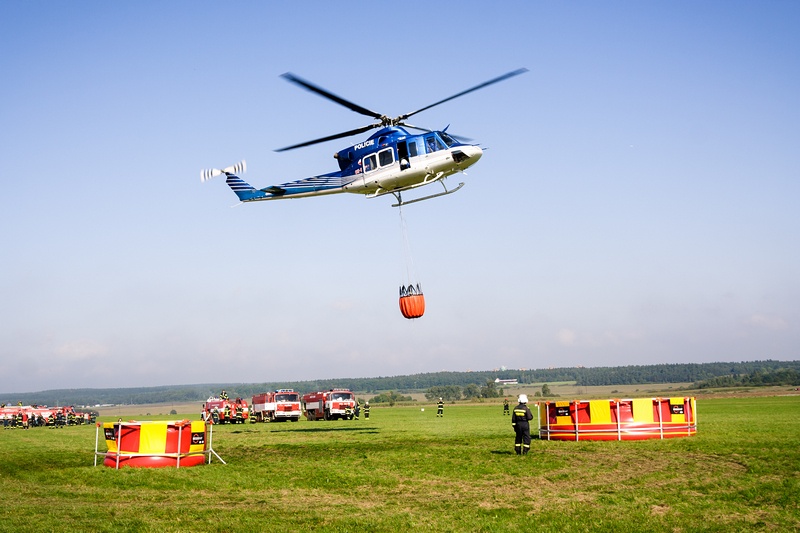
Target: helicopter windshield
{"points": [[449, 141], [433, 143]]}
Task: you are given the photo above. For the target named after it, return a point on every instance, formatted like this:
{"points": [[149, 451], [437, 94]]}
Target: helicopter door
{"points": [[402, 155]]}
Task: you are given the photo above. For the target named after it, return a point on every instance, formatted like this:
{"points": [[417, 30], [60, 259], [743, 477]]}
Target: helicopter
{"points": [[391, 161]]}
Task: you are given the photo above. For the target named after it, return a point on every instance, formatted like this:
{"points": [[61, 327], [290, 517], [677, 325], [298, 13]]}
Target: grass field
{"points": [[406, 470]]}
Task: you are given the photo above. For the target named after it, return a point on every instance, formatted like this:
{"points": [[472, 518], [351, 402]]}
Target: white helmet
{"points": [[523, 398]]}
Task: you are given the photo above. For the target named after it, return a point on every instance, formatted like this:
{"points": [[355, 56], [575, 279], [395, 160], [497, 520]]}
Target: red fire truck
{"points": [[330, 404], [280, 405], [217, 410]]}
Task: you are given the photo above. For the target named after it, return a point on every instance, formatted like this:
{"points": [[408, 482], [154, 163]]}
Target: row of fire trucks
{"points": [[281, 405], [41, 415]]}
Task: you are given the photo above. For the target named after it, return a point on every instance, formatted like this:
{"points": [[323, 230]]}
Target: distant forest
{"points": [[702, 375]]}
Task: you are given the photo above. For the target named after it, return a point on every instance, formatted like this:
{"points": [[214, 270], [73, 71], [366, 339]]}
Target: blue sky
{"points": [[637, 202]]}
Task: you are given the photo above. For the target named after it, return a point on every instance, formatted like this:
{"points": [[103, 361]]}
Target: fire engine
{"points": [[280, 405], [217, 410], [330, 404]]}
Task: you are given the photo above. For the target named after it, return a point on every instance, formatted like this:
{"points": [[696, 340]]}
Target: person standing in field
{"points": [[505, 407], [440, 408], [520, 420], [366, 411]]}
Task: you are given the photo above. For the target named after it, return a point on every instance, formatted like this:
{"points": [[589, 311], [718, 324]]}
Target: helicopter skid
{"points": [[446, 192], [397, 192]]}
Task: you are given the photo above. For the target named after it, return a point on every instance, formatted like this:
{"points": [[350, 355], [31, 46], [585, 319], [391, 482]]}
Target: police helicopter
{"points": [[391, 161]]}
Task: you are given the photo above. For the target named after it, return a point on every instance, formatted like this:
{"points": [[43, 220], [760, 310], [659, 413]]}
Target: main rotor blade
{"points": [[462, 93], [459, 138], [330, 96], [330, 137]]}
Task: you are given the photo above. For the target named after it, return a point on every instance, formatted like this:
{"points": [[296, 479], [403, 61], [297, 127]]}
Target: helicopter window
{"points": [[449, 141], [370, 163], [432, 143], [386, 157]]}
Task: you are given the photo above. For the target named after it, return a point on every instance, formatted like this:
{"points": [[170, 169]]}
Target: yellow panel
{"points": [[198, 426], [561, 420], [153, 438], [110, 443], [678, 418], [600, 411], [643, 410]]}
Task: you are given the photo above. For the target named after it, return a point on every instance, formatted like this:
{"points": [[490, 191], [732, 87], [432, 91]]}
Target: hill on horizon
{"points": [[583, 376]]}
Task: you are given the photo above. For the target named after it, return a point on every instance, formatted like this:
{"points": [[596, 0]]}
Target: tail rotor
{"points": [[238, 168]]}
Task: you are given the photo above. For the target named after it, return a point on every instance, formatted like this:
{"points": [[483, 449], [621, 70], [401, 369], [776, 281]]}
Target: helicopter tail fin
{"points": [[243, 190]]}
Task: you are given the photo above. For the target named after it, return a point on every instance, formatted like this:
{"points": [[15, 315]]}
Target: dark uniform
{"points": [[366, 411], [440, 408], [520, 419], [505, 407]]}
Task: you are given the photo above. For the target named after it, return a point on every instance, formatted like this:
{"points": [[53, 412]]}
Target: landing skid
{"points": [[415, 200]]}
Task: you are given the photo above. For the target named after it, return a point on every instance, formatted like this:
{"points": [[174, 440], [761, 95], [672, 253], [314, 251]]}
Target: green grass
{"points": [[406, 470]]}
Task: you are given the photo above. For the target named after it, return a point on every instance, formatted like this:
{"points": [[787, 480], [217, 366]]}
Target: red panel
{"points": [[625, 412], [129, 441]]}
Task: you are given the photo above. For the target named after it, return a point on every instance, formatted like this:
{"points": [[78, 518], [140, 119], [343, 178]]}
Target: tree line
{"points": [[470, 384]]}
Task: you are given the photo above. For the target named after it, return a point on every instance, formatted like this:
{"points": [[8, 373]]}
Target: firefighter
{"points": [[223, 395], [505, 407], [239, 413], [440, 407], [51, 420], [520, 420], [357, 410], [366, 411], [226, 414]]}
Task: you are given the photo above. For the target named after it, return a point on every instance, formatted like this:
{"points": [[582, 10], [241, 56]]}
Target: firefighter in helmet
{"points": [[366, 411], [520, 420], [440, 407]]}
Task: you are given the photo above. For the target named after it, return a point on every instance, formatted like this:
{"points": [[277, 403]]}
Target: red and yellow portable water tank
{"points": [[631, 419], [155, 444]]}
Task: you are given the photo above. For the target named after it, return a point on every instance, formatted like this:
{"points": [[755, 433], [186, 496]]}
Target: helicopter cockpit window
{"points": [[433, 144], [449, 141], [370, 163], [386, 157]]}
